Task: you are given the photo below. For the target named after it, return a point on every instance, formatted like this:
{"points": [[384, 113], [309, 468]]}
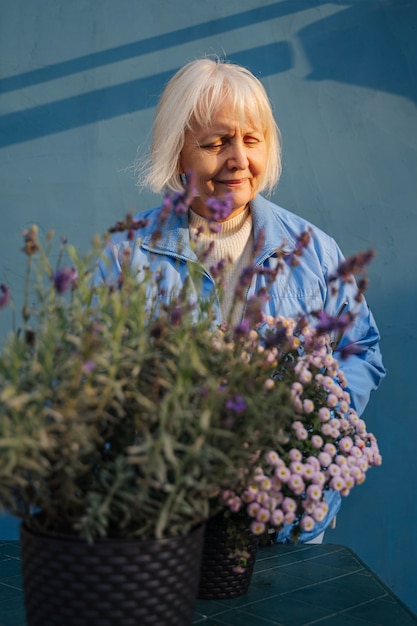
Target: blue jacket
{"points": [[296, 290]]}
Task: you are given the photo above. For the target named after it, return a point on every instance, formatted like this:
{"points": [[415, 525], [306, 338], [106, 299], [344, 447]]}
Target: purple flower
{"points": [[269, 272], [182, 201], [205, 253], [303, 240], [328, 323], [353, 265], [350, 349], [217, 270], [166, 209], [246, 276], [214, 227], [180, 206], [88, 366], [253, 312], [5, 297], [178, 202], [243, 327], [176, 313], [64, 278], [275, 337], [236, 404], [259, 243], [220, 208], [156, 235], [130, 224], [204, 391]]}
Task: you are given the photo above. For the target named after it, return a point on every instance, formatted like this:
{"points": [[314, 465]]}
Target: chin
{"points": [[241, 201]]}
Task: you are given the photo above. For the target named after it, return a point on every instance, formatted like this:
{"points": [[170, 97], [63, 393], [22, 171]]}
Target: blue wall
{"points": [[78, 84]]}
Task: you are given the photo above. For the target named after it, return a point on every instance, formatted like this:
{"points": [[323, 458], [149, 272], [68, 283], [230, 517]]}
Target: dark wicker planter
{"points": [[218, 578], [69, 582]]}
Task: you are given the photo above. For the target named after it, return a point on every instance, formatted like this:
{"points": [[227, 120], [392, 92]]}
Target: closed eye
{"points": [[216, 145], [251, 141], [219, 144]]}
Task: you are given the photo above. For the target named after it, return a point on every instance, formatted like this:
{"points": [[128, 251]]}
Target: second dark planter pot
{"points": [[218, 576]]}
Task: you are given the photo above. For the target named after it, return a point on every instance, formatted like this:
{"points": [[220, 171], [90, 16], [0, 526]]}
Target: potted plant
{"points": [[121, 422], [126, 423], [324, 446]]}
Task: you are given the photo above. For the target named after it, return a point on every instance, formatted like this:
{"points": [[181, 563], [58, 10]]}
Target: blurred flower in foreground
{"points": [[64, 278], [5, 297]]}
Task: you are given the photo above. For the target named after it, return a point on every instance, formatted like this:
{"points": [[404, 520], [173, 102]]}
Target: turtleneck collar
{"points": [[226, 228]]}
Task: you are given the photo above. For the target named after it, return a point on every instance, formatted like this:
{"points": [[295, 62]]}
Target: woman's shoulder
{"points": [[149, 217], [288, 221], [141, 222], [282, 226]]}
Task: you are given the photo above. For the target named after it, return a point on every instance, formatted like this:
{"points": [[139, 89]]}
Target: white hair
{"points": [[195, 94]]}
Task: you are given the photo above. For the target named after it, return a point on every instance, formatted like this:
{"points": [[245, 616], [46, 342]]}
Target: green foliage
{"points": [[118, 417]]}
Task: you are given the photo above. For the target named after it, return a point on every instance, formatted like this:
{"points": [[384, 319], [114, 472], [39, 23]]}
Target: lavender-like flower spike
{"points": [[177, 203], [5, 297], [220, 208], [176, 314], [207, 251], [362, 287], [259, 243], [88, 366], [276, 338], [64, 278], [355, 264], [130, 224], [246, 276], [218, 269], [214, 227], [253, 311], [236, 404], [302, 242], [330, 323], [243, 327]]}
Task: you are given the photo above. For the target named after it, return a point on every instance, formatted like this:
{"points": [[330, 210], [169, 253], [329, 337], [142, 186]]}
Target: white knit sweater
{"points": [[234, 244]]}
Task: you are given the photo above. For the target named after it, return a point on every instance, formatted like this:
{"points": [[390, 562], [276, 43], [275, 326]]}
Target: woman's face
{"points": [[226, 157]]}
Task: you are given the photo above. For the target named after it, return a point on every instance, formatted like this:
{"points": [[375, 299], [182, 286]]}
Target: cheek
{"points": [[259, 162], [205, 185], [206, 169]]}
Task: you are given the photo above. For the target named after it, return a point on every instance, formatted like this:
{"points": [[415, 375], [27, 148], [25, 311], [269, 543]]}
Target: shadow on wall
{"points": [[357, 33], [363, 36], [121, 99]]}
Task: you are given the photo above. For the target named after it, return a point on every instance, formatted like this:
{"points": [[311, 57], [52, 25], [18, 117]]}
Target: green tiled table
{"points": [[324, 585]]}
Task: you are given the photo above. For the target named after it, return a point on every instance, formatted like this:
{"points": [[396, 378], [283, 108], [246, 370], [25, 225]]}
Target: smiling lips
{"points": [[234, 182]]}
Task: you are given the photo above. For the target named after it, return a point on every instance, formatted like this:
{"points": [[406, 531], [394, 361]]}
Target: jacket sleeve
{"points": [[364, 369]]}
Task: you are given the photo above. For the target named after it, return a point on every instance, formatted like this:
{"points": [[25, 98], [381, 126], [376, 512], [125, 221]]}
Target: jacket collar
{"points": [[175, 237], [268, 219]]}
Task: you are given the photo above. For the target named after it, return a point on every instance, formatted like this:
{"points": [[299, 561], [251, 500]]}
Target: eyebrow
{"points": [[222, 132]]}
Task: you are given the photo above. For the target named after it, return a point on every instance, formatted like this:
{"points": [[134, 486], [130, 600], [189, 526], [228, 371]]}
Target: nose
{"points": [[237, 158]]}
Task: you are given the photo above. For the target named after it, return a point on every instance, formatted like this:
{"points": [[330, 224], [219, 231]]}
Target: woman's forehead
{"points": [[226, 116]]}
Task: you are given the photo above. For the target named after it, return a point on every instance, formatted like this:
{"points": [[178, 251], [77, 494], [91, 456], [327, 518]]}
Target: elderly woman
{"points": [[214, 119]]}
